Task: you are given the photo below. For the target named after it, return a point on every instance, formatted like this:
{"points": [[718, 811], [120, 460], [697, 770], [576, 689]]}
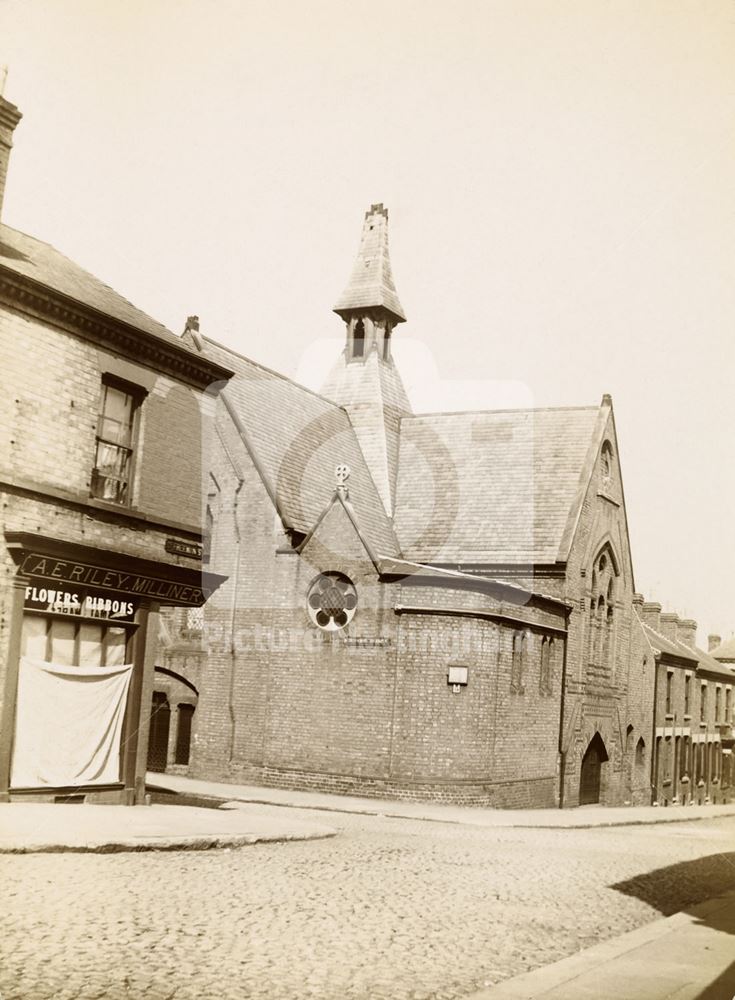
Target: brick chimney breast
{"points": [[668, 623], [651, 614], [686, 632], [713, 641], [9, 118]]}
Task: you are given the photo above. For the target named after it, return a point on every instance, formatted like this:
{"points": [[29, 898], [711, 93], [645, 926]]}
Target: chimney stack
{"points": [[713, 641], [668, 622], [651, 615], [9, 118], [686, 632]]}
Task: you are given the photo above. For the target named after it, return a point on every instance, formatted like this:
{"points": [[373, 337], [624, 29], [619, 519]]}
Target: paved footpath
{"points": [[690, 956], [29, 827], [588, 816]]}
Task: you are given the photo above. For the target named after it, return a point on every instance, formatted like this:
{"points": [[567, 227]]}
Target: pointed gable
{"points": [[297, 438]]}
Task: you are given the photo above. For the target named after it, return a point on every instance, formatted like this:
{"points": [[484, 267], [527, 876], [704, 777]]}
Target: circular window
{"points": [[332, 601]]}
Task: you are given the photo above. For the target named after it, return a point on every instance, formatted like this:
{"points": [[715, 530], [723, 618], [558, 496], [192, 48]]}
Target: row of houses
{"points": [[210, 569]]}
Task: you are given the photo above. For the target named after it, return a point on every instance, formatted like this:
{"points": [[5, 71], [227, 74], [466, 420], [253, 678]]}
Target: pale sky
{"points": [[559, 177]]}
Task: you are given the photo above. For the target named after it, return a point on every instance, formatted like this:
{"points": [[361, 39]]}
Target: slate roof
{"points": [[46, 266], [503, 486], [371, 283], [298, 438], [702, 660]]}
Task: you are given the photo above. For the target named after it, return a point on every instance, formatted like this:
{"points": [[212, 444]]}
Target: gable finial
{"points": [[342, 474]]}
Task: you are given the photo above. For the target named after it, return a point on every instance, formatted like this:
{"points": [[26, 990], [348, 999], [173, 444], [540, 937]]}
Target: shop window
{"points": [[34, 639], [63, 642], [69, 643], [113, 464], [183, 734], [90, 643]]}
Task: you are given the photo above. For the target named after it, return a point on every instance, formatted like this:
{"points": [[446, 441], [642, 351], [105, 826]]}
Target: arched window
{"points": [[386, 343], [606, 465], [547, 660], [629, 739], [518, 663], [358, 340], [602, 613]]}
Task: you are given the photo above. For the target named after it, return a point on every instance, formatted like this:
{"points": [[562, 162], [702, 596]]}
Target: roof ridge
{"points": [[93, 276], [271, 371], [510, 409]]}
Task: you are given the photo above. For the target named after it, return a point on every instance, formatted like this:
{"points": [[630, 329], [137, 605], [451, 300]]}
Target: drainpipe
{"points": [[562, 700], [233, 612], [193, 328]]}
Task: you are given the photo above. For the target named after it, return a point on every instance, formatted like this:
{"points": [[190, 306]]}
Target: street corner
{"points": [[39, 828]]}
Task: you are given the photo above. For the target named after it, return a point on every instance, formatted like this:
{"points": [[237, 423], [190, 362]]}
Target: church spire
{"points": [[369, 305], [365, 380]]}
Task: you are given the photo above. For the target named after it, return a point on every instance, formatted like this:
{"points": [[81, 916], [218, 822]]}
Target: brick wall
{"points": [[49, 401], [367, 710]]}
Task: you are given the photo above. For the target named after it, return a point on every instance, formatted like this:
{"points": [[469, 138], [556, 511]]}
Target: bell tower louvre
{"points": [[365, 380]]}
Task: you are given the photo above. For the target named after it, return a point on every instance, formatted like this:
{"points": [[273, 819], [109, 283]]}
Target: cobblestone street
{"points": [[391, 908]]}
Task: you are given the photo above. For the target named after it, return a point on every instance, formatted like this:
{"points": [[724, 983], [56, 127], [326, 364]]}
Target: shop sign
{"points": [[178, 548], [59, 601], [62, 571]]}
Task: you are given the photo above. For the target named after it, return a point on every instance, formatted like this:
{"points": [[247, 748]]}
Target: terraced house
{"points": [[418, 605], [693, 713], [101, 410]]}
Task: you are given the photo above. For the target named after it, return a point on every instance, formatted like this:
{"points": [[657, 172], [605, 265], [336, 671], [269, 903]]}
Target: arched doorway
{"points": [[589, 780], [158, 733]]}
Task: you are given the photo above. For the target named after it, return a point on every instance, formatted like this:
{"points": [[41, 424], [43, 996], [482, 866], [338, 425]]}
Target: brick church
{"points": [[209, 569], [417, 605]]}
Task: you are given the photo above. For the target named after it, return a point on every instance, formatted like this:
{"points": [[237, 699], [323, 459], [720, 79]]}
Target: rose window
{"points": [[332, 601]]}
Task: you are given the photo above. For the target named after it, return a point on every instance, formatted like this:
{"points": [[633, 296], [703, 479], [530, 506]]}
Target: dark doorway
{"points": [[183, 734], [589, 780], [158, 732]]}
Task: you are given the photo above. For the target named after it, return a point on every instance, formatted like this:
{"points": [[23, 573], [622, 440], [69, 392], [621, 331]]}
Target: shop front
{"points": [[80, 668]]}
